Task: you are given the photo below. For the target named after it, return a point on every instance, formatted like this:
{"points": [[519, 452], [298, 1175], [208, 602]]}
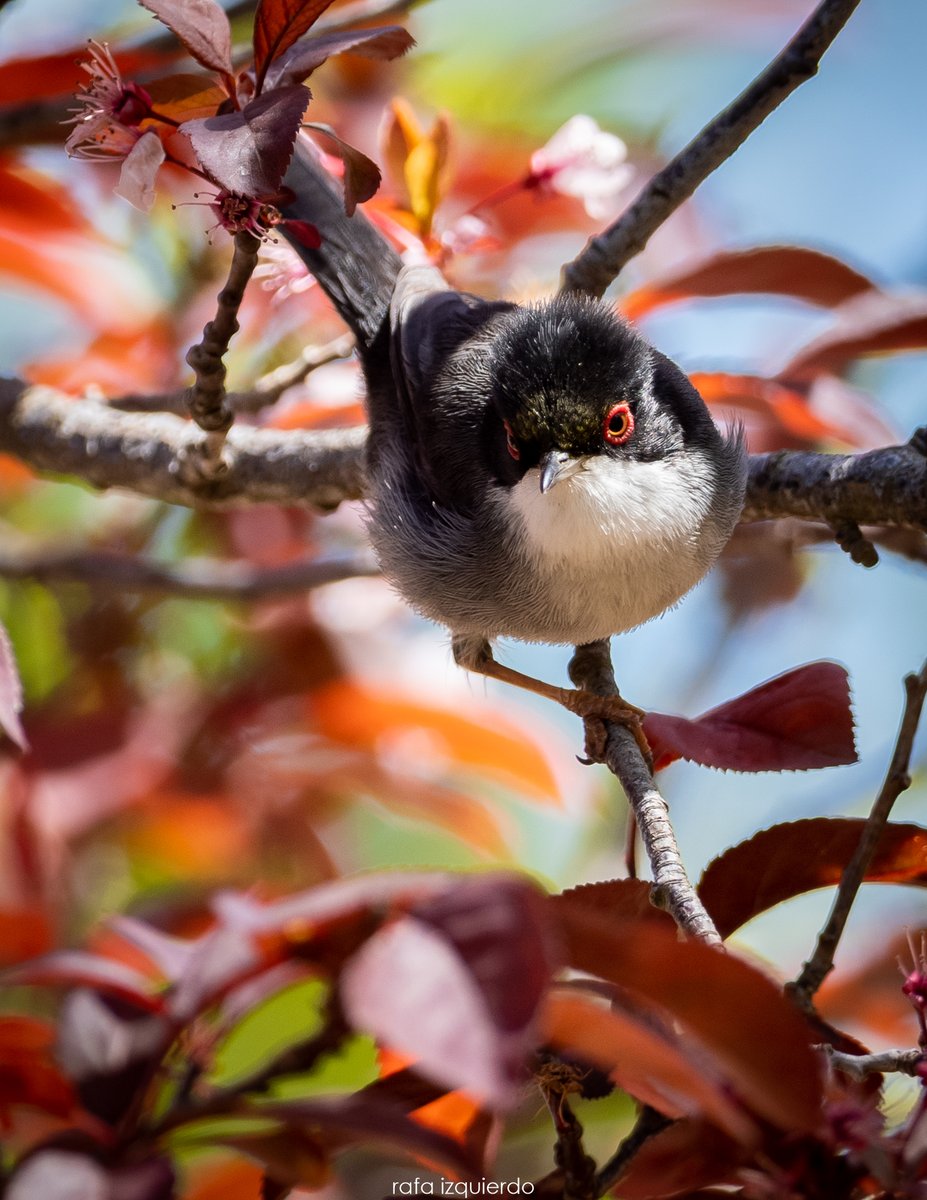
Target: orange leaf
{"points": [[231, 1179], [359, 716], [791, 859], [783, 406], [772, 270], [203, 837], [651, 1066]]}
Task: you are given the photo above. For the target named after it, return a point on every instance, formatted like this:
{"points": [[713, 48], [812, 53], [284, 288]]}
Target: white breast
{"points": [[617, 542]]}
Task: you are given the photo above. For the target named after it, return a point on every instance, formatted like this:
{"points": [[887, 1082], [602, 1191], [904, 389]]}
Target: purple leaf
{"points": [[203, 28], [277, 25], [248, 152], [361, 174], [798, 721], [11, 694], [457, 985], [298, 62]]}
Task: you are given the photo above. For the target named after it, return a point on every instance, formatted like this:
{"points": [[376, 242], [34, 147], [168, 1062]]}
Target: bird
{"points": [[539, 472]]}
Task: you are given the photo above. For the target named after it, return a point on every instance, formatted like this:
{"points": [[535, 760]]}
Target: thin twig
{"points": [[579, 1170], [591, 668], [266, 391], [859, 1066], [897, 780], [206, 398], [193, 579], [648, 1123], [605, 255]]}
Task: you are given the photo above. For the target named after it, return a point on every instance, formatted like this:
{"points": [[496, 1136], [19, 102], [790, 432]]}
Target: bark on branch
{"points": [[54, 432]]}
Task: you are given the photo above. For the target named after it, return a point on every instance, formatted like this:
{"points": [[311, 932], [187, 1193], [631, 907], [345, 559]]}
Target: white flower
{"points": [[585, 161]]}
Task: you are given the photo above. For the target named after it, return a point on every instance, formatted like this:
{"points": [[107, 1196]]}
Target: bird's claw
{"points": [[597, 712]]}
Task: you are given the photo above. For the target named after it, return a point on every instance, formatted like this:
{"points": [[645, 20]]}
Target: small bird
{"points": [[539, 472]]}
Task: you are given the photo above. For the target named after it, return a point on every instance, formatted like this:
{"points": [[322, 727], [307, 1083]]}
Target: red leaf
{"points": [[755, 1036], [456, 985], [361, 174], [617, 899], [297, 64], [11, 694], [203, 28], [277, 25], [791, 859], [667, 1072], [248, 152], [869, 324], [772, 270], [28, 1074], [679, 1160], [798, 721], [24, 933]]}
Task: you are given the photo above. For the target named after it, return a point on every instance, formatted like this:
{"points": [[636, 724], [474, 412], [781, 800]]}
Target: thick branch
{"points": [[591, 668], [897, 780], [54, 432], [57, 433], [605, 255], [193, 579], [886, 486]]}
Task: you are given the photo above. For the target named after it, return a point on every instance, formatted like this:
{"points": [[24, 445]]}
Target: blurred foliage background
{"points": [[183, 745]]}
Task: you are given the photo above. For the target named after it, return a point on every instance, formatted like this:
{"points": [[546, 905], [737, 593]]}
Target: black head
{"points": [[570, 377]]}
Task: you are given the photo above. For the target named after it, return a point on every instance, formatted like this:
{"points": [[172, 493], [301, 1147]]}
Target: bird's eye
{"points": [[510, 444], [619, 425]]}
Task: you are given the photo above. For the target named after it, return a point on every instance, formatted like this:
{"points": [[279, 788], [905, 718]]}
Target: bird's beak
{"points": [[555, 466]]}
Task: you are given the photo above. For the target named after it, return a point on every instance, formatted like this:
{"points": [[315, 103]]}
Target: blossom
{"points": [[109, 110], [585, 161]]}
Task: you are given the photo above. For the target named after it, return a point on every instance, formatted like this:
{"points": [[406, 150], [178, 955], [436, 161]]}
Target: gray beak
{"points": [[555, 466]]}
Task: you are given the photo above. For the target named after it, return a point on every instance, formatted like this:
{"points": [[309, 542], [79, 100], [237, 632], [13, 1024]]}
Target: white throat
{"points": [[613, 507]]}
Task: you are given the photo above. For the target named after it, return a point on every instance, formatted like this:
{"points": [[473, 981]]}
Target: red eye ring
{"points": [[510, 444], [618, 425]]}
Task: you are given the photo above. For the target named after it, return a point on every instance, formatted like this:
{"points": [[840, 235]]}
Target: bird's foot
{"points": [[596, 712]]}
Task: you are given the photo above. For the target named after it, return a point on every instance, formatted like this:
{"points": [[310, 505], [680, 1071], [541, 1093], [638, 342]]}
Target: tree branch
{"points": [[206, 398], [54, 432], [193, 579], [604, 255], [859, 1066], [591, 668], [880, 487], [897, 780], [51, 431]]}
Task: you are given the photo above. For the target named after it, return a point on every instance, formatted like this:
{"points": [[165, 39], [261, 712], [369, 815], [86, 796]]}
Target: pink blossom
{"points": [[585, 161], [109, 110]]}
